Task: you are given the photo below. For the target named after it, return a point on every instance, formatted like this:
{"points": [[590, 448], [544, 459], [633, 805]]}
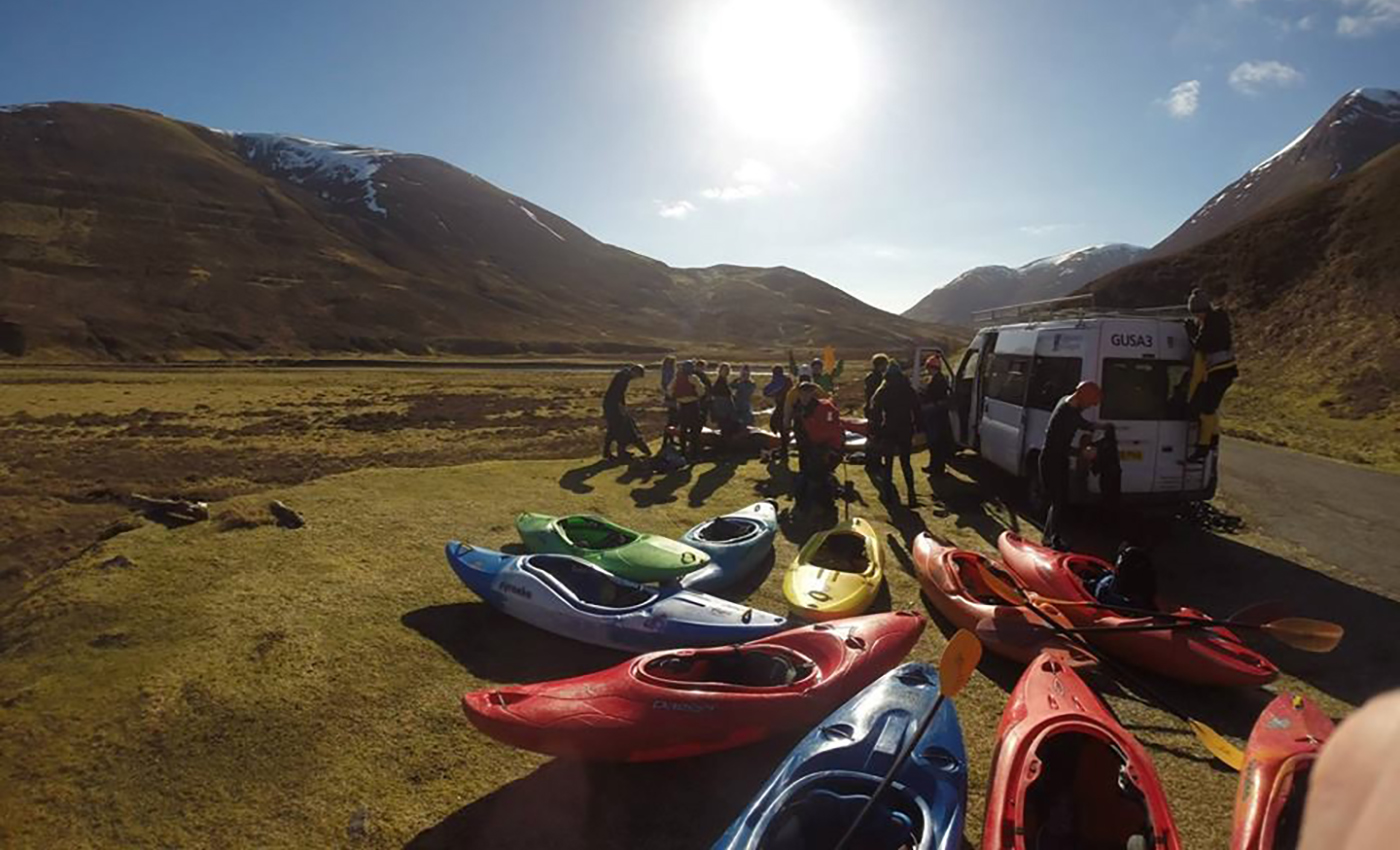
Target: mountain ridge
{"points": [[128, 235]]}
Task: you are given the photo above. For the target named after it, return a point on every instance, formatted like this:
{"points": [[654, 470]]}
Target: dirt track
{"points": [[1341, 514]]}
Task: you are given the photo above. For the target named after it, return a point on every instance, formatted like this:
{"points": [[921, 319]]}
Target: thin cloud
{"points": [[674, 209], [1371, 16], [1183, 100], [750, 180], [1253, 77], [1044, 229], [1306, 23]]}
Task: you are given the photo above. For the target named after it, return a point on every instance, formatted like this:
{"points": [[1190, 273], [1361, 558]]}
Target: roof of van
{"points": [[1084, 321]]}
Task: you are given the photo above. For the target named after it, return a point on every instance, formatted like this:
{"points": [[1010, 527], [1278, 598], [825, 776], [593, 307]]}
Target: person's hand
{"points": [[1090, 453], [1354, 785]]}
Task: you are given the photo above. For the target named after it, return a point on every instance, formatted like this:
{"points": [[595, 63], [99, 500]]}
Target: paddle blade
{"points": [[1305, 634], [998, 585], [1222, 749], [959, 659], [1047, 607]]}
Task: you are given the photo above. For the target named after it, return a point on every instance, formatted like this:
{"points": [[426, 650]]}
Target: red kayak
{"points": [[953, 582], [1201, 656], [1066, 774], [1274, 782], [687, 702]]}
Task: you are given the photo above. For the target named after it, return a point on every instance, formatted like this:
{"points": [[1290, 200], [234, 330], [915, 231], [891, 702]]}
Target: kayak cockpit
{"points": [[843, 552], [590, 532], [1286, 807], [582, 582], [965, 569], [816, 811], [1084, 797], [727, 530], [765, 667]]}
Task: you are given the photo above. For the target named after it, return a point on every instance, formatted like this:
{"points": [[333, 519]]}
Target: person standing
{"points": [[1066, 420], [722, 402], [817, 423], [776, 391], [895, 406], [873, 379], [688, 392], [621, 427], [937, 400], [1214, 370], [743, 397], [668, 375]]}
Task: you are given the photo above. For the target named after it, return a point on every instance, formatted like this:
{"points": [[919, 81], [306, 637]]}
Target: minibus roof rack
{"points": [[1070, 307]]}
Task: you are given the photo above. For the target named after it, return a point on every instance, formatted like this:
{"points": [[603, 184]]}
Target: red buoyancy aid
{"points": [[822, 424]]}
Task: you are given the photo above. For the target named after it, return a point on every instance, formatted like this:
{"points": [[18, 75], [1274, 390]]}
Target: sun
{"points": [[785, 71]]}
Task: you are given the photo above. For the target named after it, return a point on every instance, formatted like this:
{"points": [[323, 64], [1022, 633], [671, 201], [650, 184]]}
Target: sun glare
{"points": [[783, 70]]}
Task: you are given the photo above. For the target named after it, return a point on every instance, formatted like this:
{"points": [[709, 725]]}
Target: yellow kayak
{"points": [[837, 573]]}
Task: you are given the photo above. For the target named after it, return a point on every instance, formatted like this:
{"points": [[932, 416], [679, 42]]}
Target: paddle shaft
{"points": [[893, 771]]}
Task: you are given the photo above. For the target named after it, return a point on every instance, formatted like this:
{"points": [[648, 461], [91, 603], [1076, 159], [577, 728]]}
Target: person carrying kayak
{"points": [[873, 379], [743, 397], [937, 400], [1066, 420], [895, 407], [688, 391], [1213, 371], [621, 427], [776, 391]]}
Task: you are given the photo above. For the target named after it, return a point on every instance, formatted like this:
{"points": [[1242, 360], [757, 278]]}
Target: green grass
{"points": [[1307, 416], [286, 688], [273, 688]]}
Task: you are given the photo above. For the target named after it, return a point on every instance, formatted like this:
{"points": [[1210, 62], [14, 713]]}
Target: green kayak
{"points": [[620, 551]]}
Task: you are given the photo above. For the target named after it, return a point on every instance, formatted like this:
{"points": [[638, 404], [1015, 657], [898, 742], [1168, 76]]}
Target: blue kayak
{"points": [[811, 800], [736, 543], [574, 598]]}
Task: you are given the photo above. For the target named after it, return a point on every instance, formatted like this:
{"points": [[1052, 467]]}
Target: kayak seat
{"points": [[725, 530], [820, 817], [587, 583], [588, 532], [965, 566], [842, 552], [753, 668], [1083, 799]]}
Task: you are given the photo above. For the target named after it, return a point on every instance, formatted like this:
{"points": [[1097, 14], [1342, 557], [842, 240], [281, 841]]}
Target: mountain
{"points": [[1313, 286], [998, 286], [1358, 127], [125, 234]]}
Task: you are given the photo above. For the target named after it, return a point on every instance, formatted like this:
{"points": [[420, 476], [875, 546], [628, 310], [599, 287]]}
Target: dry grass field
{"points": [[230, 683]]}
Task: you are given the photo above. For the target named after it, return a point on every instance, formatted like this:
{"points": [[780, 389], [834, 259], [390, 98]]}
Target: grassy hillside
{"points": [[1313, 286], [127, 235]]}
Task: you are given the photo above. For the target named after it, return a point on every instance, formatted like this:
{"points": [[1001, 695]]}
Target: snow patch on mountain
{"points": [[535, 219], [20, 107], [302, 159]]}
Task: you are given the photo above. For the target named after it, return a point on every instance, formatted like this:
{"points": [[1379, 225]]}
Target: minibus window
{"points": [[1053, 378], [1143, 390], [1006, 380]]}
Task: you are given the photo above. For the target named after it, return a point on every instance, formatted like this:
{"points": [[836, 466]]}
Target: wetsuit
{"points": [[1066, 420], [1215, 370], [621, 427], [896, 409]]}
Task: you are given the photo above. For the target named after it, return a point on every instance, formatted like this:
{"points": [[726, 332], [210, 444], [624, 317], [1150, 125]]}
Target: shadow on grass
{"points": [[500, 648], [711, 480], [576, 480], [662, 490], [573, 805]]}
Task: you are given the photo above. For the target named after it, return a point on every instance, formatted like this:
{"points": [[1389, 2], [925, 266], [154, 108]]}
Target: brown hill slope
{"points": [[1362, 124], [1313, 284], [125, 234]]}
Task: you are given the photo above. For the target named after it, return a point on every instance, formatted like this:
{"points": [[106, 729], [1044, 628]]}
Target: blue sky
{"points": [[883, 145]]}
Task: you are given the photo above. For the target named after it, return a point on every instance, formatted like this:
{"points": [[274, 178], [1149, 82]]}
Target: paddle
{"points": [[959, 659], [1297, 632], [1214, 743]]}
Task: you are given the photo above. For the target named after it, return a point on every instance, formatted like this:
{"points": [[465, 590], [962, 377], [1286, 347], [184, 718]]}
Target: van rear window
{"points": [[1152, 390], [1053, 378]]}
